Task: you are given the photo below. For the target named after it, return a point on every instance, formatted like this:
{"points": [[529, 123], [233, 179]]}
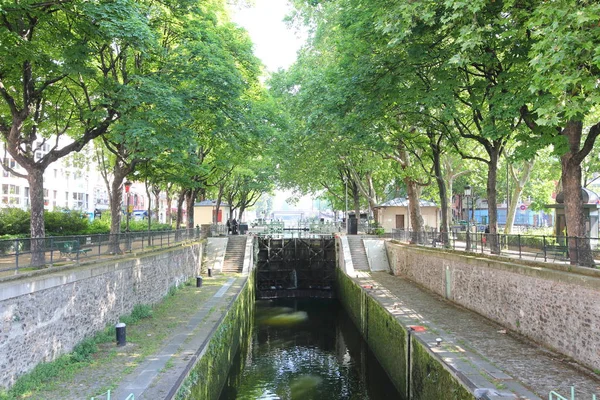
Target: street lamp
{"points": [[467, 195], [127, 187]]}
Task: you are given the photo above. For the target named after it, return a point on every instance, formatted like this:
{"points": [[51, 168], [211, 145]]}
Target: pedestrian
{"points": [[234, 226], [228, 227]]}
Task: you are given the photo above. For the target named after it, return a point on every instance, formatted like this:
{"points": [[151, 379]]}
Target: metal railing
{"points": [[30, 253], [553, 395], [556, 249]]}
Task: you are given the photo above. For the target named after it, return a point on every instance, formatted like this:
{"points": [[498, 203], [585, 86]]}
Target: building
{"points": [[205, 212], [73, 182], [395, 214]]}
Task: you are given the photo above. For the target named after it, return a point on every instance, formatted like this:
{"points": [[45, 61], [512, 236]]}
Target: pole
{"points": [[468, 245], [127, 215], [346, 216]]}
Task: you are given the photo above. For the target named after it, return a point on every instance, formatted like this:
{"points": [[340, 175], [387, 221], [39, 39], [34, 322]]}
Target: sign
{"points": [[523, 207], [131, 208]]}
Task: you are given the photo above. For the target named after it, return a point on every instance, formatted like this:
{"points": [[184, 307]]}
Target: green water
{"points": [[306, 350]]}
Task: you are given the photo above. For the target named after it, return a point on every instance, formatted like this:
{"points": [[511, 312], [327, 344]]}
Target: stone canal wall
{"points": [[206, 378], [414, 369], [557, 306], [43, 316]]}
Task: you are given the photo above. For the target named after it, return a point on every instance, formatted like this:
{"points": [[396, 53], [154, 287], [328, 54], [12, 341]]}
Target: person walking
{"points": [[234, 227]]}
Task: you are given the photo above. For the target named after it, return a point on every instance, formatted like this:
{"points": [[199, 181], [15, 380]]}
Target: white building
{"points": [[73, 182]]}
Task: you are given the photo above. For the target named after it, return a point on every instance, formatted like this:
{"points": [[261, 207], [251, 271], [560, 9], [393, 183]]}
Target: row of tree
{"points": [[168, 91], [421, 93]]}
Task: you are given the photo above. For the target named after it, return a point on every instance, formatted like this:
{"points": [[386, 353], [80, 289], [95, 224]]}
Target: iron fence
{"points": [[547, 248], [21, 254]]}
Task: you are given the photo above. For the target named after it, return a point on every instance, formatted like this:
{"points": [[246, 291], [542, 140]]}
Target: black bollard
{"points": [[199, 281], [121, 334], [210, 272]]}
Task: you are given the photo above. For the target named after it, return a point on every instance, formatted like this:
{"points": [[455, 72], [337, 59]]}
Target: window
{"points": [[79, 201], [10, 194], [9, 162]]}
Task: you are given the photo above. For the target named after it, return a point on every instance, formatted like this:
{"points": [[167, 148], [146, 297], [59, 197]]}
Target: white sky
{"points": [[274, 43]]}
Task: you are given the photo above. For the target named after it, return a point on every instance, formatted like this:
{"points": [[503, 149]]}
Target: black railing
{"points": [[29, 253], [559, 249]]}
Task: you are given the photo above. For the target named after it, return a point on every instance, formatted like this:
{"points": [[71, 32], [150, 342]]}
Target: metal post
{"points": [[17, 254], [346, 215], [127, 215], [468, 244], [121, 334], [544, 246], [519, 241]]}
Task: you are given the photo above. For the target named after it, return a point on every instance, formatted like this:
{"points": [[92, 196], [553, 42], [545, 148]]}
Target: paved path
{"points": [[157, 376], [512, 360]]}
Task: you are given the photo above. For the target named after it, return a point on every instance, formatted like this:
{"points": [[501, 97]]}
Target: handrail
{"points": [[17, 255], [546, 248]]}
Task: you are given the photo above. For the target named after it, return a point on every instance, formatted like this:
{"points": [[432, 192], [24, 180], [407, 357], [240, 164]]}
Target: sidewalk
{"points": [[144, 372], [157, 377], [472, 341]]}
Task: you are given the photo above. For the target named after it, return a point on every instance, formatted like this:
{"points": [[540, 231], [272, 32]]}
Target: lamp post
{"points": [[346, 213], [467, 195], [127, 187]]}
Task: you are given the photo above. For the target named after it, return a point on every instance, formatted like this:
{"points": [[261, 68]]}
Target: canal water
{"points": [[305, 350]]}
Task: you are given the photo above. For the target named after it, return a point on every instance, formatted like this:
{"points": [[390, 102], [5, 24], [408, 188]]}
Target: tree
{"points": [[566, 69], [53, 87]]}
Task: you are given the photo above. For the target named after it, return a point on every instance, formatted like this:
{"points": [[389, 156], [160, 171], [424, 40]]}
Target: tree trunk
{"points": [[580, 251], [180, 201], [189, 205], [518, 184], [156, 192], [116, 201], [168, 218], [35, 177], [441, 183], [416, 219], [493, 200]]}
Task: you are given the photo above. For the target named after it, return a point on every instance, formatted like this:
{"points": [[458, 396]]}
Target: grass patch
{"points": [[147, 327]]}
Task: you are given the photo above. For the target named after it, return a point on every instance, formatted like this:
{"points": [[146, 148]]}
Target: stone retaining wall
{"points": [[207, 377], [45, 316], [557, 306], [414, 370]]}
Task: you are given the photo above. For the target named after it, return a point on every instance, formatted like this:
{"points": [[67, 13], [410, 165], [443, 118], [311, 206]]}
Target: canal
{"points": [[305, 349]]}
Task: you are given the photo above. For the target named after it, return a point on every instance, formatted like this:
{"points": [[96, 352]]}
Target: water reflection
{"points": [[307, 350]]}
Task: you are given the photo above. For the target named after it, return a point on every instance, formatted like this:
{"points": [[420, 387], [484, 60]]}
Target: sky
{"points": [[274, 43]]}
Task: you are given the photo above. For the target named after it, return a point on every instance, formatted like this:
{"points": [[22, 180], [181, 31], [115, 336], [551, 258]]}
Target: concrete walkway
{"points": [[157, 377], [475, 346]]}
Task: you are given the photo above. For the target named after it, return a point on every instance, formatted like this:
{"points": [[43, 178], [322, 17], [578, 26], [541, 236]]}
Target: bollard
{"points": [[199, 281], [121, 334], [210, 272]]}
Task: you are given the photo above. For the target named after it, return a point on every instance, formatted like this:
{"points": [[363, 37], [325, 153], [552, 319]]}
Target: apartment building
{"points": [[73, 182]]}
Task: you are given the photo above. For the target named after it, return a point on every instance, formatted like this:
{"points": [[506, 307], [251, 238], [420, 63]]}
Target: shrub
{"points": [[14, 221], [84, 350], [140, 311], [64, 223], [99, 226]]}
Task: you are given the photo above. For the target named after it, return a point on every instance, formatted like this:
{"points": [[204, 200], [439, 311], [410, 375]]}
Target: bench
{"points": [[70, 249], [554, 252]]}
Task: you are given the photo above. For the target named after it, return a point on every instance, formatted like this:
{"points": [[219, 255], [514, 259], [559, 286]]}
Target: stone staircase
{"points": [[358, 252], [234, 254]]}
